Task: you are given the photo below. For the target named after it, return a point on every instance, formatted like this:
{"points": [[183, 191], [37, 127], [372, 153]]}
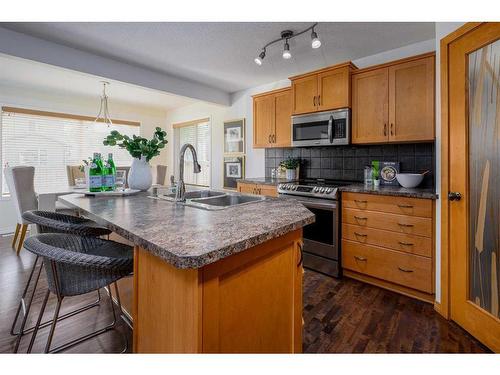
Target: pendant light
{"points": [[315, 42], [286, 51], [103, 115]]}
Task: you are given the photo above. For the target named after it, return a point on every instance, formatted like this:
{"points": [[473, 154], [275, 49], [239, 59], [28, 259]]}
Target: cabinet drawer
{"points": [[383, 203], [407, 243], [420, 226], [412, 271]]}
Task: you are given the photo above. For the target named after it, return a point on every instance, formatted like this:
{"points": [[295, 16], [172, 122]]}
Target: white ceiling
{"points": [[221, 54], [17, 72]]}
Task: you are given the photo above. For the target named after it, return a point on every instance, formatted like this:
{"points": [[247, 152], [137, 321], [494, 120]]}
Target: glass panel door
{"points": [[484, 177]]}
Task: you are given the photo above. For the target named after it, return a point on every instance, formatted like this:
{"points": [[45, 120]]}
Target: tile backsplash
{"points": [[348, 162]]}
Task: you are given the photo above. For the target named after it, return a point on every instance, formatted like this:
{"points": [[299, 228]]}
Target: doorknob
{"points": [[454, 196]]}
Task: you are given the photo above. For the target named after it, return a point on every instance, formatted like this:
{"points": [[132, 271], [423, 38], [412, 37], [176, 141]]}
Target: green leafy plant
{"points": [[290, 163], [375, 169], [138, 146]]}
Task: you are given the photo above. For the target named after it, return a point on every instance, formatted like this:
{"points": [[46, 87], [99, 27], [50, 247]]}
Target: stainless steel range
{"points": [[322, 238]]}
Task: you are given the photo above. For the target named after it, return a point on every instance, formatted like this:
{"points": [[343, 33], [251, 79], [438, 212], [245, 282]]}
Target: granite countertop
{"points": [[397, 191], [189, 237], [264, 180]]}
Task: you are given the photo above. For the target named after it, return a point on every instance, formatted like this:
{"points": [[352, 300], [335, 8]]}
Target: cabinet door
{"points": [[411, 101], [282, 136], [305, 91], [263, 120], [333, 89], [247, 188], [267, 190], [370, 106]]}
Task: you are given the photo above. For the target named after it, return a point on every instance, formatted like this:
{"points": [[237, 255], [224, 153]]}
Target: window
{"points": [[50, 143], [198, 134]]}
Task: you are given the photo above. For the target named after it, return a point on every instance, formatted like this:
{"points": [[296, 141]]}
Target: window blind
{"points": [[50, 143], [197, 134]]}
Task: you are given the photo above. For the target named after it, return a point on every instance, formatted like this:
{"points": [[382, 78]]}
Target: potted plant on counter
{"points": [[142, 150], [290, 166]]}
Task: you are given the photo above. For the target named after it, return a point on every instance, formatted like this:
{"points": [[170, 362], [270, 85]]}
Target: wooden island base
{"points": [[250, 302]]}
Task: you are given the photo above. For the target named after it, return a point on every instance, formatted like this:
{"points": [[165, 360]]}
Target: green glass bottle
{"points": [[96, 174], [109, 174]]}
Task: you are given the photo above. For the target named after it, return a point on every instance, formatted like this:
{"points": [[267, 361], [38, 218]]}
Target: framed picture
{"points": [[234, 137], [234, 169], [388, 171]]}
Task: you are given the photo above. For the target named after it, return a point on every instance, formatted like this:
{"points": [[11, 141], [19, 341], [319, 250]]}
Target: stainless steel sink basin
{"points": [[224, 201], [194, 194], [212, 200]]}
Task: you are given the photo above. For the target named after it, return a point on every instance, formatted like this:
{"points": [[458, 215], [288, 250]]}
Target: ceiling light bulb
{"points": [[259, 59], [286, 51], [315, 42]]}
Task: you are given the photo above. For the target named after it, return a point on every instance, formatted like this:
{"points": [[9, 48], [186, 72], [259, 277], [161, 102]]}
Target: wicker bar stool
{"points": [[77, 265], [52, 222]]}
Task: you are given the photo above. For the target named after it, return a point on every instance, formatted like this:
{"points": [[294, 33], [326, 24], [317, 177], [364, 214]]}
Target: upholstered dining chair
{"points": [[20, 181]]}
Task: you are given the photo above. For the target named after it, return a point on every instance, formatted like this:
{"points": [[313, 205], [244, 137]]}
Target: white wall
{"points": [[47, 101], [241, 107]]}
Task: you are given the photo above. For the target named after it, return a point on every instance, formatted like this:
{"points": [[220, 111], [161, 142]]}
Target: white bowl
{"points": [[409, 180]]}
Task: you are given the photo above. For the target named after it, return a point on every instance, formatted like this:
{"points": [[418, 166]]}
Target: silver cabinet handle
{"points": [[385, 129], [301, 249], [405, 270], [314, 100], [392, 132], [319, 99], [361, 259]]}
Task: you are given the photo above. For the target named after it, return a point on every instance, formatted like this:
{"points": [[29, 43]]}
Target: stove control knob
{"points": [[294, 187], [329, 190], [316, 189], [322, 190], [280, 186], [288, 187]]}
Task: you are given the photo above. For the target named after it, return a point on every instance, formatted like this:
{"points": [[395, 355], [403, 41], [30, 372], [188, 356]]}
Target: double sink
{"points": [[213, 200]]}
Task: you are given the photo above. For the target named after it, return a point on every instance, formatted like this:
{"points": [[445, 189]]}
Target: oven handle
{"points": [[330, 129], [326, 206]]}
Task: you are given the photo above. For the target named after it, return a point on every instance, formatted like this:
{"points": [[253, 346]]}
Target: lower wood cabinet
{"points": [[389, 241], [257, 189]]}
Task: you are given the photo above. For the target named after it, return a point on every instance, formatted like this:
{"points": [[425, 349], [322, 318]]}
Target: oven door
{"points": [[321, 129]]}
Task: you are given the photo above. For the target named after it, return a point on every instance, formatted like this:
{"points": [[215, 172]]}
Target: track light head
{"points": [[315, 42], [286, 51], [259, 59]]}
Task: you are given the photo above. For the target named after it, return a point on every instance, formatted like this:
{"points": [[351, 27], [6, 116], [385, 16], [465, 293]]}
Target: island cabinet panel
{"points": [[250, 302]]}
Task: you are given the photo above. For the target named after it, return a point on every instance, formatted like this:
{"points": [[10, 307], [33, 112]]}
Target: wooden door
{"points": [[305, 94], [282, 136], [333, 89], [263, 120], [370, 106], [474, 168], [411, 101]]}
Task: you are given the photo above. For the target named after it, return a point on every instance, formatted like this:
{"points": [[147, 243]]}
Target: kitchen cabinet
{"points": [[389, 242], [272, 119], [322, 90], [394, 102], [257, 189]]}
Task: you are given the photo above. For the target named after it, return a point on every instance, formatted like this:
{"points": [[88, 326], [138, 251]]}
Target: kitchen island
{"points": [[210, 281]]}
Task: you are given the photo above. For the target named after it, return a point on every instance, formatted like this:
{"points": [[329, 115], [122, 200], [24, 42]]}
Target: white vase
{"points": [[291, 174], [140, 176]]}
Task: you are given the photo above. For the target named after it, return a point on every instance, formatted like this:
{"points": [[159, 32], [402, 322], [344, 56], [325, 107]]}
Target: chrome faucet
{"points": [[180, 193]]}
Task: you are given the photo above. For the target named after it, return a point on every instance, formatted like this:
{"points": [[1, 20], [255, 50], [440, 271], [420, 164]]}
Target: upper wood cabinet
{"points": [[272, 112], [322, 90], [394, 102]]}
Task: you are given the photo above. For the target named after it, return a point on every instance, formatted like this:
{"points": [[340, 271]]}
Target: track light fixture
{"points": [[286, 35]]}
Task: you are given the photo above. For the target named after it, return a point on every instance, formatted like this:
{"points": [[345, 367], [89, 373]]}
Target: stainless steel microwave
{"points": [[327, 128]]}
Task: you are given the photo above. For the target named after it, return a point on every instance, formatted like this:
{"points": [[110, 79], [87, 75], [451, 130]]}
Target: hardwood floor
{"points": [[341, 316]]}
